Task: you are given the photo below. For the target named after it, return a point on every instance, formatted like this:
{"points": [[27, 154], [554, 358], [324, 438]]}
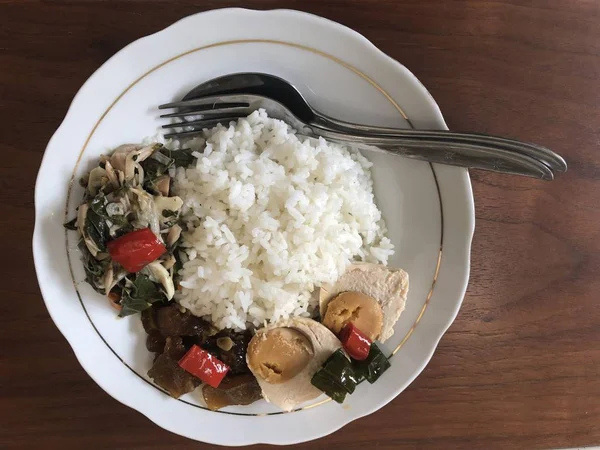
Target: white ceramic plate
{"points": [[428, 210]]}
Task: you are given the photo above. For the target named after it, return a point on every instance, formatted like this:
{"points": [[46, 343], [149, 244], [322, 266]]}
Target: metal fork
{"points": [[457, 149]]}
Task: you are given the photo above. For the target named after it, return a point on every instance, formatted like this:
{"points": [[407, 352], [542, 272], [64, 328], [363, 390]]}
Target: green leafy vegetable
{"points": [[97, 229], [154, 169], [168, 213], [181, 158], [146, 289], [336, 378], [140, 295], [122, 190], [98, 205], [339, 368], [119, 220], [132, 305], [324, 383], [94, 269], [374, 366]]}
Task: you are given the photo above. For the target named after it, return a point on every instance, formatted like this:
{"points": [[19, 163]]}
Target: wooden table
{"points": [[520, 366]]}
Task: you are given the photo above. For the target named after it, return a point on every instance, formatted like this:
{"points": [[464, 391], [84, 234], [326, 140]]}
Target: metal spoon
{"points": [[278, 89]]}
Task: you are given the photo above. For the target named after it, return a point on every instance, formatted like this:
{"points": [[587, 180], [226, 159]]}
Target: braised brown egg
{"points": [[372, 296], [279, 354], [357, 308], [284, 357]]}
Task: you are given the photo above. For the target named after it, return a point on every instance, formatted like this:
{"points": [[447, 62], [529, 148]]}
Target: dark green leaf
{"points": [[71, 225], [339, 369], [169, 213], [97, 229], [94, 270], [122, 191], [374, 366], [132, 305], [153, 168], [140, 295], [336, 378], [325, 384], [147, 290], [157, 165], [181, 158], [119, 220], [98, 205], [127, 228]]}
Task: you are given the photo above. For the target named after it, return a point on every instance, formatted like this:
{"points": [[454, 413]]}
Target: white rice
{"points": [[271, 216]]}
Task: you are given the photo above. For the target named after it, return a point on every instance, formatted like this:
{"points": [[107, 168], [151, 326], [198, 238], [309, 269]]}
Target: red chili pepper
{"points": [[136, 249], [203, 365], [356, 343]]}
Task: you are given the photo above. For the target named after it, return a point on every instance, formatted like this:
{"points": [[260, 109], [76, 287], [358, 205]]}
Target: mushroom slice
{"points": [[138, 176], [169, 262], [111, 174], [96, 180], [163, 184], [168, 203], [162, 276], [127, 157], [134, 158], [111, 278], [119, 156], [173, 235], [81, 214], [108, 279], [147, 211]]}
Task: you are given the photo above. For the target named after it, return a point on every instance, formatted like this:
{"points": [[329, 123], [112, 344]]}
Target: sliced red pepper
{"points": [[356, 343], [205, 366], [136, 249]]}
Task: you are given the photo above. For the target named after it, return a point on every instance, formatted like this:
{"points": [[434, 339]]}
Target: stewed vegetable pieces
{"points": [[372, 367], [339, 376], [336, 378]]}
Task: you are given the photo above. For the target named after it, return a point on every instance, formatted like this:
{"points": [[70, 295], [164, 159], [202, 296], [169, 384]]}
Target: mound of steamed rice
{"points": [[270, 217]]}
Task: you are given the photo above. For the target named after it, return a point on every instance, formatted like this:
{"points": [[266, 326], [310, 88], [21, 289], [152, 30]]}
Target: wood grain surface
{"points": [[519, 369]]}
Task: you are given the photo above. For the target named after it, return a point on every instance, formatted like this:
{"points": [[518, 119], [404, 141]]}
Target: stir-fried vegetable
{"points": [[356, 343], [205, 366], [135, 250], [373, 366], [139, 295], [129, 222], [336, 378], [339, 376]]}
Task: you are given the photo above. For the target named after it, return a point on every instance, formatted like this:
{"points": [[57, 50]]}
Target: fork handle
{"points": [[545, 155], [456, 153]]}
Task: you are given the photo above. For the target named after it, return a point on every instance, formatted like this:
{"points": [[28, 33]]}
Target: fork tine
{"points": [[210, 113], [202, 123], [182, 134]]}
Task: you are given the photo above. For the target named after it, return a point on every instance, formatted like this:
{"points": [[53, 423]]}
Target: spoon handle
{"points": [[456, 153], [545, 155]]}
